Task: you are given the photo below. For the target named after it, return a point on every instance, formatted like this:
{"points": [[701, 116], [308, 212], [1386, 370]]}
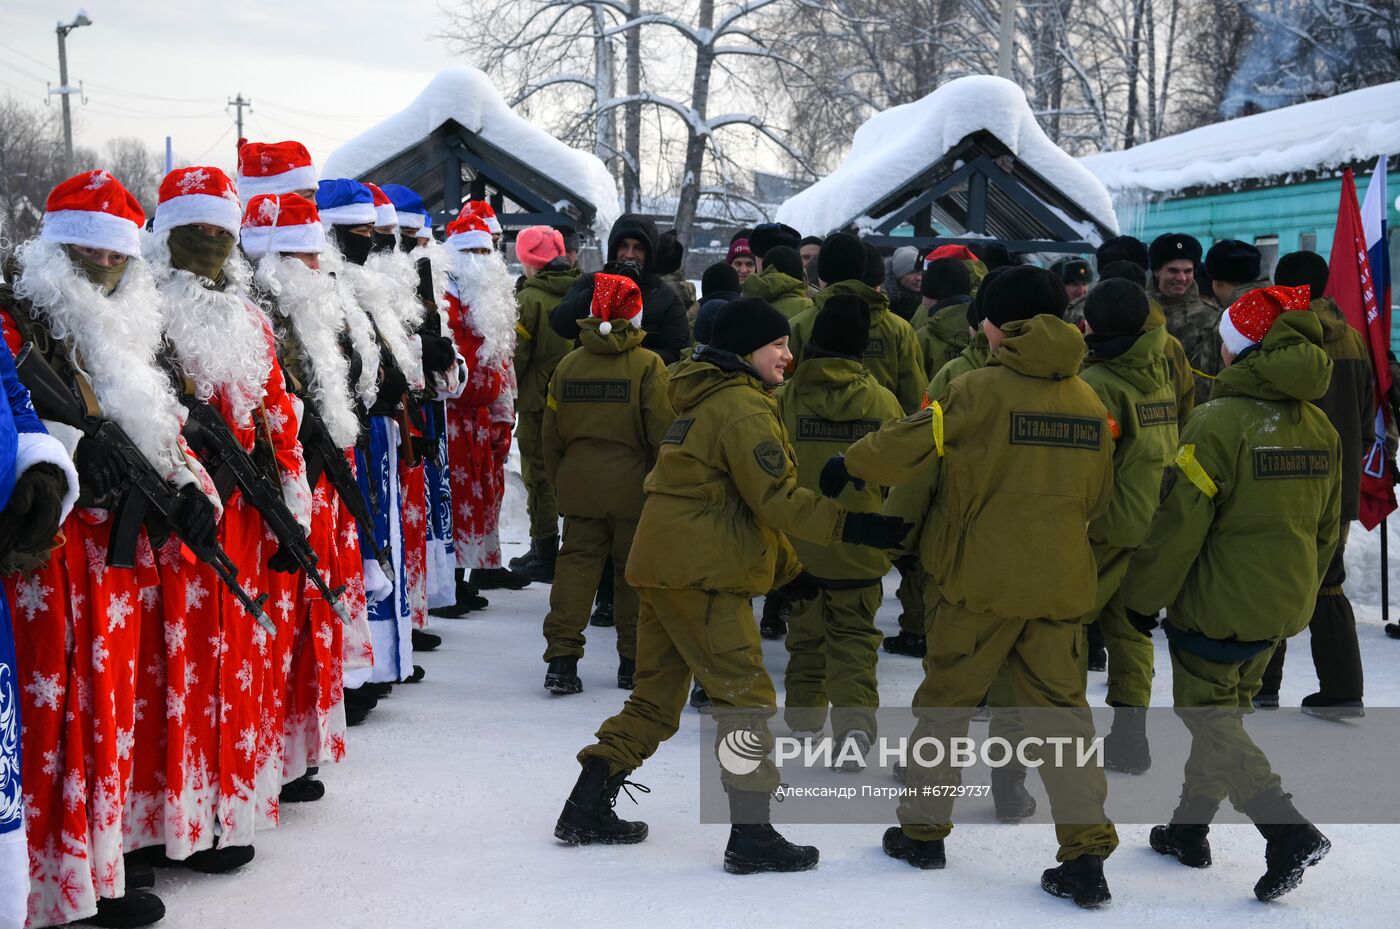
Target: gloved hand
{"points": [[99, 471], [196, 519], [439, 354], [30, 520], [875, 530], [1142, 622], [423, 447], [283, 562], [392, 383], [835, 477], [802, 587]]}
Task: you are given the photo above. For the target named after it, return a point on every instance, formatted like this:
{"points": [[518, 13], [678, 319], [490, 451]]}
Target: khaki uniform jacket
{"points": [[538, 348], [942, 332], [606, 416], [1182, 375], [1196, 324], [785, 294], [724, 493], [1022, 462], [1240, 544], [825, 406]]}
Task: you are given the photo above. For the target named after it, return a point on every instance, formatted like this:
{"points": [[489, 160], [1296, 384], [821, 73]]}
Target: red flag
{"points": [[1349, 283]]}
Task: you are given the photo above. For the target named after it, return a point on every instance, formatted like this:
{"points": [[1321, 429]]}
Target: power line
{"points": [[215, 144], [43, 64]]}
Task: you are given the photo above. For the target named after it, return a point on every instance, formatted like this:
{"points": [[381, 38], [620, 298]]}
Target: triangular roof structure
{"points": [[966, 163], [459, 140]]}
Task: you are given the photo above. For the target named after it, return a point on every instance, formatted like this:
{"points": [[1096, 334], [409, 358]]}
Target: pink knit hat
{"points": [[537, 246]]}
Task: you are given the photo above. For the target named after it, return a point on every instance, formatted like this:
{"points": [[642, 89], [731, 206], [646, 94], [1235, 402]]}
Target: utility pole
{"points": [[239, 103], [1007, 47], [64, 90]]}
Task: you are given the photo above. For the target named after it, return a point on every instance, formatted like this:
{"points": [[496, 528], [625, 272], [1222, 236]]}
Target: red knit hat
{"points": [[488, 216], [616, 299], [537, 246], [468, 230], [281, 223], [384, 212], [1251, 317], [274, 168], [94, 210], [960, 252], [739, 248], [198, 195]]}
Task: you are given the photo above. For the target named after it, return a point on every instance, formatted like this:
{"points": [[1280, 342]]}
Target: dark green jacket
{"points": [[969, 359], [786, 294], [1182, 375], [1239, 546], [942, 332], [1022, 463], [826, 405], [538, 348], [1350, 401], [606, 415]]}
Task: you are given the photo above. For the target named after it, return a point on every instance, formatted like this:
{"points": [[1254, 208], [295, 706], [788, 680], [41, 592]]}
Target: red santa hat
{"points": [[616, 299], [198, 195], [488, 216], [385, 214], [960, 252], [468, 230], [282, 223], [1251, 317], [94, 210], [274, 168]]}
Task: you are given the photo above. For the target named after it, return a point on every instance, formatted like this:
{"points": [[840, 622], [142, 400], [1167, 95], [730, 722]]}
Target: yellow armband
{"points": [[937, 421], [1188, 465]]}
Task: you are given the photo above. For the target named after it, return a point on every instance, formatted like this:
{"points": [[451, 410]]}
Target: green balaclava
{"points": [[104, 277], [199, 252]]}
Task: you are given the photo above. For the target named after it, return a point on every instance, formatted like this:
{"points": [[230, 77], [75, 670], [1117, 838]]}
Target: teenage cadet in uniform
{"points": [[725, 481], [1236, 554], [1128, 371], [1183, 375], [833, 645], [780, 282], [947, 289], [604, 420], [1019, 460], [1173, 261]]}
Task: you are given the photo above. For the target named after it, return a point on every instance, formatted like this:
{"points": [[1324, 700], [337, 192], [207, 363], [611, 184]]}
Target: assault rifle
{"points": [[144, 494], [323, 455], [229, 465]]}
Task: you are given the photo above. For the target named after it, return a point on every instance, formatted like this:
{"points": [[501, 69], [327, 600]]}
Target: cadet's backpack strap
{"points": [[936, 420], [1188, 465]]}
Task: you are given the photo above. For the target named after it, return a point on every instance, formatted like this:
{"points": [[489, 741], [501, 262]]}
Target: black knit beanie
{"points": [[705, 318], [670, 252], [1021, 293], [842, 326], [784, 260], [945, 277], [1298, 268], [1123, 271], [842, 258], [747, 324], [1231, 261], [1116, 307], [975, 311], [1123, 248], [874, 274], [767, 236], [719, 278]]}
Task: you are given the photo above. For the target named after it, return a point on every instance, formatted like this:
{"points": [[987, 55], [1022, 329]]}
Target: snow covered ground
{"points": [[442, 816]]}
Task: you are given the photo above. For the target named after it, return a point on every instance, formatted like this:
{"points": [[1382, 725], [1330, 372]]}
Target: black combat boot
{"points": [[469, 600], [906, 643], [1125, 747], [520, 561], [1009, 795], [1079, 879], [1333, 709], [754, 845], [1293, 843], [773, 625], [603, 600], [424, 641], [140, 871], [588, 813], [927, 855], [135, 908], [498, 579], [1185, 837], [304, 789], [561, 677], [541, 567], [1098, 654], [626, 673], [216, 860], [699, 699]]}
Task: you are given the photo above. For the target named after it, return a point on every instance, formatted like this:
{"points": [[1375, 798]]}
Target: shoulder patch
{"points": [[817, 429], [875, 348], [952, 354], [771, 457], [1157, 413], [676, 434], [1056, 429], [596, 391], [1282, 463]]}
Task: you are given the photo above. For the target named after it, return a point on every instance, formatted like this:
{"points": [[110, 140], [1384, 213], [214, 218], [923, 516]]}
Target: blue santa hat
{"points": [[343, 202], [413, 215]]}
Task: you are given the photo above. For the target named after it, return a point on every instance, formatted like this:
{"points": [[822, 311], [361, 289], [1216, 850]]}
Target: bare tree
{"points": [[138, 168], [31, 164]]}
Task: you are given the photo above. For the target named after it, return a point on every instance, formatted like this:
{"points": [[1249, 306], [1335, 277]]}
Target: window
{"points": [[1268, 254]]}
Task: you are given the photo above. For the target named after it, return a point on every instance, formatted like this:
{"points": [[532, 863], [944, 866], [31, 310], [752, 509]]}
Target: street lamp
{"points": [[64, 90]]}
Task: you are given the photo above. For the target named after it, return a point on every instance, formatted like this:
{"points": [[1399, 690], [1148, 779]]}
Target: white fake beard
{"points": [[357, 324], [440, 263], [383, 297], [488, 300], [403, 268], [217, 336], [115, 340], [308, 300]]}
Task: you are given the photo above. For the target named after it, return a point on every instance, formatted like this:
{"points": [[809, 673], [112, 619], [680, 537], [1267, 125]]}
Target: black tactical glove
{"points": [[1142, 622], [875, 530], [392, 383], [423, 447], [283, 562], [835, 477], [802, 587], [196, 519], [30, 520], [439, 354], [99, 471]]}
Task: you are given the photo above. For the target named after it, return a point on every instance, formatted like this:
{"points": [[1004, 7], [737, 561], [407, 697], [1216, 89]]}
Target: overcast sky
{"points": [[153, 69]]}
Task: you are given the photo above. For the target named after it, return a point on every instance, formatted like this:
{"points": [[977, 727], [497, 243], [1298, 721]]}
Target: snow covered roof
{"points": [[468, 97], [1350, 127], [902, 143]]}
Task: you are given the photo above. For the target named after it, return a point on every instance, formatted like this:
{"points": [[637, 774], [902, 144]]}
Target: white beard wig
{"points": [[383, 291], [488, 300], [115, 340], [357, 324], [217, 336], [309, 302], [403, 268]]}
